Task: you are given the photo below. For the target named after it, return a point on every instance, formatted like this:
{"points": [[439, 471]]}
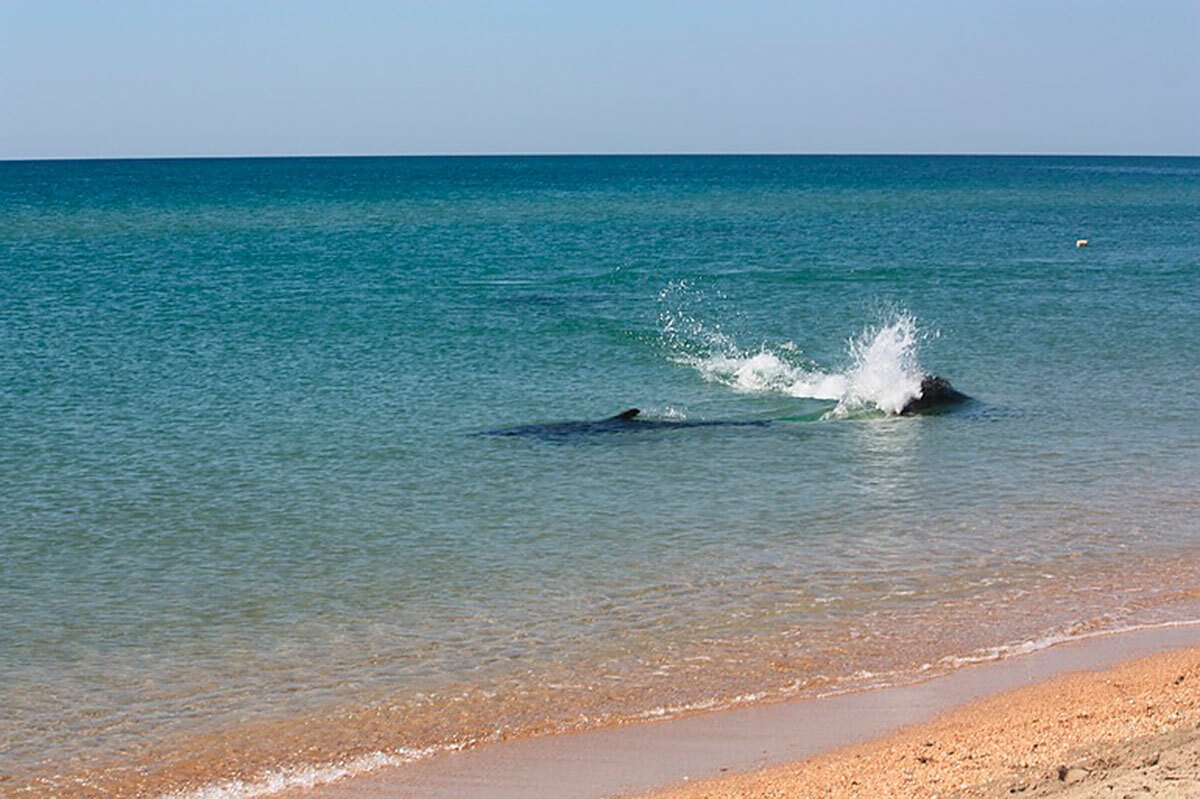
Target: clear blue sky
{"points": [[88, 78]]}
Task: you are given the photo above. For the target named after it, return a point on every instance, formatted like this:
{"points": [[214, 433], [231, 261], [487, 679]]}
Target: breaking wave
{"points": [[882, 371], [308, 776]]}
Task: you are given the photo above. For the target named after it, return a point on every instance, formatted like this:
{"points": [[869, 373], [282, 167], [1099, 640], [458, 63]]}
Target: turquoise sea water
{"points": [[242, 483]]}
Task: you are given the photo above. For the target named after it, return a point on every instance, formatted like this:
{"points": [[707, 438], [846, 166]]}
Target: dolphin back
{"points": [[626, 421]]}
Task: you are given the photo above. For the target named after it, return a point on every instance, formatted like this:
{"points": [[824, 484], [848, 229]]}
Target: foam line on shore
{"points": [[1002, 652], [305, 777], [1120, 731], [310, 776], [635, 758]]}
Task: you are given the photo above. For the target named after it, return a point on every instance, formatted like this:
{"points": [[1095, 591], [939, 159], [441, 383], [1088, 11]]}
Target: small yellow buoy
{"points": [[1080, 242]]}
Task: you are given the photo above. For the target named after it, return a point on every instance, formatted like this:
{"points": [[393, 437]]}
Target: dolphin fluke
{"points": [[936, 394]]}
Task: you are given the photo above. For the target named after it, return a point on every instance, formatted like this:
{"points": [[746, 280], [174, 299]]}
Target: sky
{"points": [[150, 78]]}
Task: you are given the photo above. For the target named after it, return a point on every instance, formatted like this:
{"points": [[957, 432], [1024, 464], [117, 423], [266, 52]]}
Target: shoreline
{"points": [[288, 756], [1122, 731], [408, 766], [639, 758]]}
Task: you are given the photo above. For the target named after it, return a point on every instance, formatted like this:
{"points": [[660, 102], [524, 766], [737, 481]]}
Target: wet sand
{"points": [[1024, 736], [1128, 731]]}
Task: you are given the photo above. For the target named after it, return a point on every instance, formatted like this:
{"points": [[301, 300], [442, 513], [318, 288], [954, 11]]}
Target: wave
{"points": [[870, 681], [289, 779], [310, 776], [882, 371]]}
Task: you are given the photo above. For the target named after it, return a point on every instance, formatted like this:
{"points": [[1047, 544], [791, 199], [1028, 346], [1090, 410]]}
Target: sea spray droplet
{"points": [[884, 372]]}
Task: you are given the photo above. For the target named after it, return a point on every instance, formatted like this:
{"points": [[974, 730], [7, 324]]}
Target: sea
{"points": [[260, 530]]}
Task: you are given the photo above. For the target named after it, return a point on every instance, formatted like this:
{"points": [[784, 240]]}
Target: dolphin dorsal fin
{"points": [[628, 415]]}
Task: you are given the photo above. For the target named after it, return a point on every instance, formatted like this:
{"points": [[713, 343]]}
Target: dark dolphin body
{"points": [[623, 422], [936, 395]]}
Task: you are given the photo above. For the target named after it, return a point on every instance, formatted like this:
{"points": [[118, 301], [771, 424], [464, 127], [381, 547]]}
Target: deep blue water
{"points": [[238, 404]]}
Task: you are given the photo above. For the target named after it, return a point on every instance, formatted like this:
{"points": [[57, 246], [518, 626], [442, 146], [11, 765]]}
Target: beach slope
{"points": [[1126, 731]]}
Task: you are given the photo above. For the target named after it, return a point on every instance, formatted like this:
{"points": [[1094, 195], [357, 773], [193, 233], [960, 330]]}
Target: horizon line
{"points": [[681, 154]]}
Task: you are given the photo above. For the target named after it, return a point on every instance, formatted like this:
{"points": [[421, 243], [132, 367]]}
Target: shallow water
{"points": [[244, 498]]}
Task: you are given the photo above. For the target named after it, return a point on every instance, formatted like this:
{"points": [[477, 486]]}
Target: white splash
{"points": [[305, 777], [766, 370], [883, 371]]}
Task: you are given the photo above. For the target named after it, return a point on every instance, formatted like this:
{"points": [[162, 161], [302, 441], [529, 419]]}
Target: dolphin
{"points": [[624, 422], [936, 395]]}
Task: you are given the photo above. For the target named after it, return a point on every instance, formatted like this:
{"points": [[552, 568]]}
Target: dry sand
{"points": [[1126, 732]]}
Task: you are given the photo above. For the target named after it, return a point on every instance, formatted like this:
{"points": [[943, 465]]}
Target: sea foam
{"points": [[306, 777], [882, 370]]}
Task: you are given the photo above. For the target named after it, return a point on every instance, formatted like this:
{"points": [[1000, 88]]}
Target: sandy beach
{"points": [[1122, 732], [1119, 709]]}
